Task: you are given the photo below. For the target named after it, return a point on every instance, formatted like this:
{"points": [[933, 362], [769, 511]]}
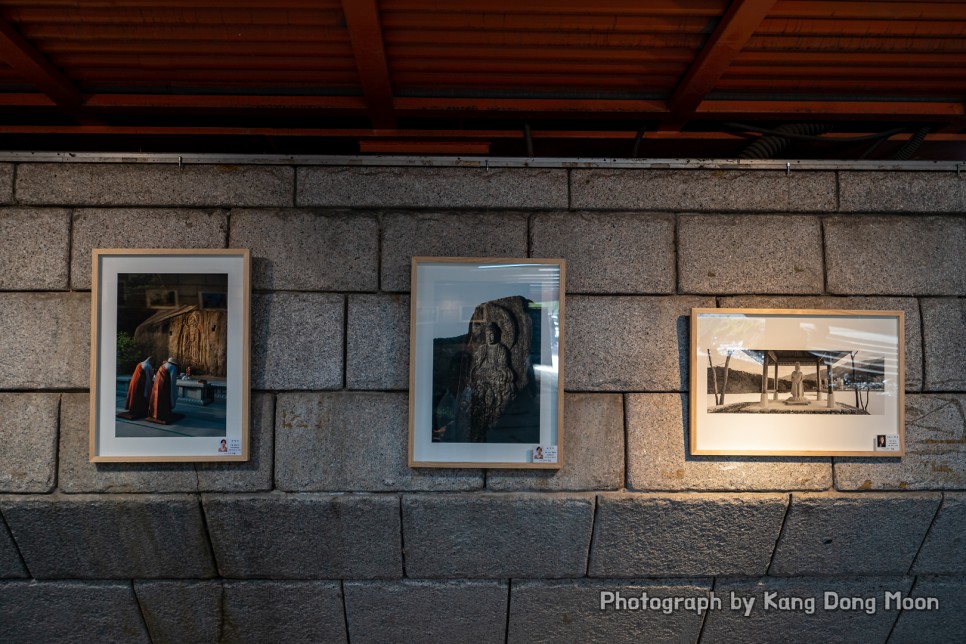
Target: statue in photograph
{"points": [[492, 380], [164, 394], [139, 391], [798, 384]]}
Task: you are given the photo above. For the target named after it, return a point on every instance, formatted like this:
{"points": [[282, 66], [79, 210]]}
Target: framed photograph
{"points": [[486, 362], [170, 382], [797, 382]]}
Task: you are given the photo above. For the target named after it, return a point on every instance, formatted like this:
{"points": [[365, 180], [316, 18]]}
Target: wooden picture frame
{"points": [[487, 392], [797, 382], [169, 384]]}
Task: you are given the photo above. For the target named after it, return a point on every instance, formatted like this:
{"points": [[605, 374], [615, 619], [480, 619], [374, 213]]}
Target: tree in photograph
{"points": [[719, 396]]}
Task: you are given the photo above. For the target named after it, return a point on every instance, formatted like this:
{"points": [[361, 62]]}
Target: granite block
{"points": [[353, 441], [935, 458], [408, 235], [658, 456], [305, 536], [28, 434], [703, 190], [628, 343], [592, 450], [609, 253], [649, 535], [181, 611], [804, 619], [892, 191], [426, 611], [378, 342], [119, 537], [944, 332], [34, 248], [945, 624], [721, 254], [432, 187], [154, 184], [47, 340], [77, 475], [497, 535], [6, 183], [569, 610], [11, 566], [853, 534], [262, 612], [140, 228], [297, 341], [255, 474], [70, 611], [944, 550], [895, 255], [908, 305], [308, 251]]}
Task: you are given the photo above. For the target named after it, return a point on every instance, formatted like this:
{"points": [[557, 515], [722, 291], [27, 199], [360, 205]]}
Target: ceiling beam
{"points": [[951, 113], [22, 56], [409, 138], [730, 36], [566, 106], [224, 102], [839, 110], [365, 33]]}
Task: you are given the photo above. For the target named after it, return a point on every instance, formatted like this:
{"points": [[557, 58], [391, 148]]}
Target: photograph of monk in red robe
{"points": [[139, 391], [164, 396], [186, 393]]}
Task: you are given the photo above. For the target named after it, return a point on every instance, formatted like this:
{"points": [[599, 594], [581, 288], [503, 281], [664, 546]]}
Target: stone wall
{"points": [[327, 535]]}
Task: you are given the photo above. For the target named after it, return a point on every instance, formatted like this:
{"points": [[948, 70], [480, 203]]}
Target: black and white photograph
{"points": [[795, 382], [485, 361], [781, 381], [170, 354]]}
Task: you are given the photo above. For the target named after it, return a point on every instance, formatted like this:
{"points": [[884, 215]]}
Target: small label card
{"points": [[545, 454], [887, 443]]}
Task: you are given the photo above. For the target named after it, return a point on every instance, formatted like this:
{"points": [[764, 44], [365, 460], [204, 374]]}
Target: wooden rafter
{"points": [[883, 111], [17, 52], [736, 27], [840, 110], [365, 32], [413, 138]]}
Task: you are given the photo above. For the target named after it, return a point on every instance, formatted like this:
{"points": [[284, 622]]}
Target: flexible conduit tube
{"points": [[768, 146]]}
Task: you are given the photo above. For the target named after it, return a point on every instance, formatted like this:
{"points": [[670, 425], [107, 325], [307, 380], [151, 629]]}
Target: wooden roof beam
{"points": [[21, 55], [365, 33], [735, 29], [838, 110]]}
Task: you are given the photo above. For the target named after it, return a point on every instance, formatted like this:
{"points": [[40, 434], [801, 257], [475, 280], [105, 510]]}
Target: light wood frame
{"points": [[237, 264], [861, 442], [549, 275]]}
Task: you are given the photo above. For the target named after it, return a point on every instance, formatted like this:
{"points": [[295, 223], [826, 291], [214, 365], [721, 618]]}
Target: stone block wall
{"points": [[327, 535]]}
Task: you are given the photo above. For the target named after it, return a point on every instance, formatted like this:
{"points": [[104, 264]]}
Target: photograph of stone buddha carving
{"points": [[763, 381], [484, 389], [171, 355]]}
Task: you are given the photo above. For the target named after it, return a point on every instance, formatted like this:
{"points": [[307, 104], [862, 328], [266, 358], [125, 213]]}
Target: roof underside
{"points": [[611, 78]]}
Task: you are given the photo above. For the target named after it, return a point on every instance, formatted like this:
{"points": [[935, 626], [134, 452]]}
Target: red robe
{"points": [[159, 406], [137, 403]]}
